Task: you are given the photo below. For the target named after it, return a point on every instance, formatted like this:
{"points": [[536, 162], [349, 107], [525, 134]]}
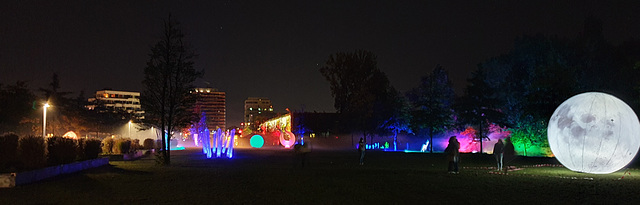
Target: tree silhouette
{"points": [[479, 106], [361, 91], [432, 103], [168, 79], [17, 102]]}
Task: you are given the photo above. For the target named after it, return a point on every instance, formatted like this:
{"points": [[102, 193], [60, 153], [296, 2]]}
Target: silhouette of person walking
{"points": [[509, 153], [453, 154], [498, 151], [361, 149]]}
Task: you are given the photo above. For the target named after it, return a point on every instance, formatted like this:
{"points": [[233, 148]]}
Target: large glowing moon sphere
{"points": [[594, 133], [256, 141]]}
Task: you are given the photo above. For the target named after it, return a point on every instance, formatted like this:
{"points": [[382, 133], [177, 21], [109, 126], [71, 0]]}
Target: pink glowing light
{"points": [[287, 143]]}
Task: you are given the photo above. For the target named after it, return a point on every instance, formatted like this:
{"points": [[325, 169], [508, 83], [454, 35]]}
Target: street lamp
{"points": [[44, 120], [129, 128]]}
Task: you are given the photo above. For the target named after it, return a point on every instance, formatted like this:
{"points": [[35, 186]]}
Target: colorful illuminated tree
{"points": [[528, 136]]}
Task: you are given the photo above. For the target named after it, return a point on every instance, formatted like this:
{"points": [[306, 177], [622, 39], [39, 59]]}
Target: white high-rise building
{"points": [[213, 103], [113, 100], [255, 107]]}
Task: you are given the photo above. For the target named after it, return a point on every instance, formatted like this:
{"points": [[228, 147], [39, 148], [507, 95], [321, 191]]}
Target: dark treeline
{"points": [[518, 91], [21, 111]]}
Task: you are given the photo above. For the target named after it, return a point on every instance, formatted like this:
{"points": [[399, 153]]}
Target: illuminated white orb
{"points": [[594, 133]]}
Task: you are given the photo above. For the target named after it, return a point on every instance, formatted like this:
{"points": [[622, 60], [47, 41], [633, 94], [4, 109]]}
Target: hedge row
{"points": [[120, 145], [32, 152]]}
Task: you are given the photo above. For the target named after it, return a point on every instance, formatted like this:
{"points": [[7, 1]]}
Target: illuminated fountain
{"points": [[221, 142]]}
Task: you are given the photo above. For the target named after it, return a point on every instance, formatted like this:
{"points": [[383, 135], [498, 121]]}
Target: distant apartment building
{"points": [[257, 109], [213, 103], [114, 100]]}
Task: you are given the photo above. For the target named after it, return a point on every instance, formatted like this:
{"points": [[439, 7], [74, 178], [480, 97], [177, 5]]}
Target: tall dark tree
{"points": [[479, 106], [359, 89], [168, 80], [17, 102], [62, 108], [398, 117], [53, 95], [432, 103], [531, 81]]}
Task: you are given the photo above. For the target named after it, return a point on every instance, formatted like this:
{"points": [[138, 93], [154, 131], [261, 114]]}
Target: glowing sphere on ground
{"points": [[256, 141], [287, 143], [594, 133]]}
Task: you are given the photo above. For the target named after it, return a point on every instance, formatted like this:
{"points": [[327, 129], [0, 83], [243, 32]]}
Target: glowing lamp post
{"points": [[44, 120], [594, 132], [129, 128]]}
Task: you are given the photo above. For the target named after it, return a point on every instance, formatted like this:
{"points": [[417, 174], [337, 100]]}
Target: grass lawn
{"points": [[274, 176]]}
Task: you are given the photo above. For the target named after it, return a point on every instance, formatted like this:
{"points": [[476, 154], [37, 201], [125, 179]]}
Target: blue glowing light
{"points": [[256, 141], [177, 148], [219, 142]]}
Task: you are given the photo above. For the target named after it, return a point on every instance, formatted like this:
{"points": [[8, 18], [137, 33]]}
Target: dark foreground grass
{"points": [[329, 177]]}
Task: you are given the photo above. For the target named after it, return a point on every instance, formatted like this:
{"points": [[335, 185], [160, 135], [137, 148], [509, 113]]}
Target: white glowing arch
{"points": [[71, 135]]}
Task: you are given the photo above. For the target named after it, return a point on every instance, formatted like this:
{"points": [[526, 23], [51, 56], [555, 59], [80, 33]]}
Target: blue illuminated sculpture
{"points": [[220, 143]]}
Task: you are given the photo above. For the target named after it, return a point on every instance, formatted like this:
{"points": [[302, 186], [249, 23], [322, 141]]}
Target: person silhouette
{"points": [[362, 148], [509, 153], [453, 154], [498, 152]]}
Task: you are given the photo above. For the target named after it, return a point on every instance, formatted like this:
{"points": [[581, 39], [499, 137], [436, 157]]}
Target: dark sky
{"points": [[274, 48]]}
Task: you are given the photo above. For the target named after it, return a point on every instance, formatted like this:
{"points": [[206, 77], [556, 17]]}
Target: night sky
{"points": [[274, 48]]}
